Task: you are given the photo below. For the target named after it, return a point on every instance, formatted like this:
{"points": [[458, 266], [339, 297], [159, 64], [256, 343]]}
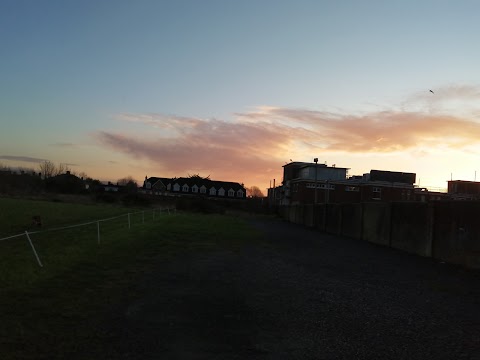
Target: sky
{"points": [[235, 89]]}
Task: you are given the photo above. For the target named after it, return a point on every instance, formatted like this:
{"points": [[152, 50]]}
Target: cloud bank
{"points": [[258, 142]]}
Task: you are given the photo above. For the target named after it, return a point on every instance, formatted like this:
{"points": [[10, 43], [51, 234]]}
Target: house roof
{"points": [[154, 180], [227, 185]]}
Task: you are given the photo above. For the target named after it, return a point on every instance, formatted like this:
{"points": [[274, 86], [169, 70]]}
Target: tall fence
{"points": [[128, 218], [448, 231]]}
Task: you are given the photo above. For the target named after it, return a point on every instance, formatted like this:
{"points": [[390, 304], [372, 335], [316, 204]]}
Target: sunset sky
{"points": [[235, 89]]}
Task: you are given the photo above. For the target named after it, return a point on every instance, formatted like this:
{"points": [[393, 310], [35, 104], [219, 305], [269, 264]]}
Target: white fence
{"points": [[127, 216]]}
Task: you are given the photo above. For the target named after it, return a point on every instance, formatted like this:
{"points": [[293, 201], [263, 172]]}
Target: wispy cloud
{"points": [[22, 158], [262, 139], [64, 145], [385, 131]]}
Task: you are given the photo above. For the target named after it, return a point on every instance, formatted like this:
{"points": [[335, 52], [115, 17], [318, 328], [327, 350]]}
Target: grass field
{"points": [[58, 305], [16, 214]]}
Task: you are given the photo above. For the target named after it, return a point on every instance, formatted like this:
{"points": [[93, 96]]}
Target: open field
{"points": [[58, 250], [53, 308], [16, 214]]}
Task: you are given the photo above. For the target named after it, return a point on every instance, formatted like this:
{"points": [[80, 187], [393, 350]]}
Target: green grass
{"points": [[57, 308], [16, 214]]}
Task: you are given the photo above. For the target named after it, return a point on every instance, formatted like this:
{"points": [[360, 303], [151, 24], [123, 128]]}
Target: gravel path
{"points": [[301, 294]]}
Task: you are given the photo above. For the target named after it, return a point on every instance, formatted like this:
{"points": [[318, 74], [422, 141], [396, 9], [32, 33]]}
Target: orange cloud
{"points": [[259, 142]]}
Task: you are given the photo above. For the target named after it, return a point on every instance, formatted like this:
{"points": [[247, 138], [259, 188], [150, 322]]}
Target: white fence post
{"points": [[98, 232], [33, 248]]}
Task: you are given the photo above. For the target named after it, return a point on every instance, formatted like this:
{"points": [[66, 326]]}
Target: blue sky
{"points": [[79, 78]]}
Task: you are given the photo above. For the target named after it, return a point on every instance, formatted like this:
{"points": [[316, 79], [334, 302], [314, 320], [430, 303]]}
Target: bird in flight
{"points": [[432, 92]]}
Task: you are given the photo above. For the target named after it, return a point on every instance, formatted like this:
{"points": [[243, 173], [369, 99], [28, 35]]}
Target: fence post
{"points": [[98, 232], [33, 248], [129, 220], [153, 214]]}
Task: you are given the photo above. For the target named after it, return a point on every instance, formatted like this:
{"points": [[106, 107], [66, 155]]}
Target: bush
{"points": [[135, 200], [201, 205], [105, 197]]}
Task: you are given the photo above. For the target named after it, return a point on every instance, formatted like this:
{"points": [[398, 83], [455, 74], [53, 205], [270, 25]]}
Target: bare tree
{"points": [[83, 175], [48, 169], [254, 191], [62, 169], [128, 180], [129, 185]]}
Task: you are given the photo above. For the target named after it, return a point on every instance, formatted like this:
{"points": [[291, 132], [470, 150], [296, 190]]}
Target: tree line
{"points": [[47, 171]]}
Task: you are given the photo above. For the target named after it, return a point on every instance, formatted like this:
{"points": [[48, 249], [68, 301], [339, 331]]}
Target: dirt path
{"points": [[300, 294]]}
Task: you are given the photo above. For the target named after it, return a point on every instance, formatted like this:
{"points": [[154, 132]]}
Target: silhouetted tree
{"points": [[129, 184], [61, 169], [254, 191], [48, 169], [197, 176]]}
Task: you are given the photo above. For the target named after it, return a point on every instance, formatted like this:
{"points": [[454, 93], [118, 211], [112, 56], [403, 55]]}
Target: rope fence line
{"points": [[28, 233]]}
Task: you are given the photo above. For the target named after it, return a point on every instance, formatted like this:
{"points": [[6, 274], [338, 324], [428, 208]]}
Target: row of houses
{"points": [[311, 183], [194, 186]]}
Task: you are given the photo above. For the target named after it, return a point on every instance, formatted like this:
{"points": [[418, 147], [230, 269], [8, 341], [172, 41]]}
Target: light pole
{"points": [[315, 161]]}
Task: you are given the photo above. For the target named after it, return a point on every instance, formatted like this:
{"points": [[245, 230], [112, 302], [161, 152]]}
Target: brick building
{"points": [[464, 190], [309, 183]]}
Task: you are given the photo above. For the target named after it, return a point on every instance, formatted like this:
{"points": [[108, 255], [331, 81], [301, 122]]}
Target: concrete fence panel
{"points": [[308, 215], [333, 219], [457, 233], [411, 227], [291, 213], [284, 212], [351, 225], [299, 214], [319, 216], [377, 223]]}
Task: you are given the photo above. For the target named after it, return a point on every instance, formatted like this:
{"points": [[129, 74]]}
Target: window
{"points": [[213, 191], [194, 189], [352, 188], [176, 187], [221, 192], [239, 193], [149, 186], [377, 193], [185, 188], [203, 190], [169, 187], [231, 193], [320, 186]]}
